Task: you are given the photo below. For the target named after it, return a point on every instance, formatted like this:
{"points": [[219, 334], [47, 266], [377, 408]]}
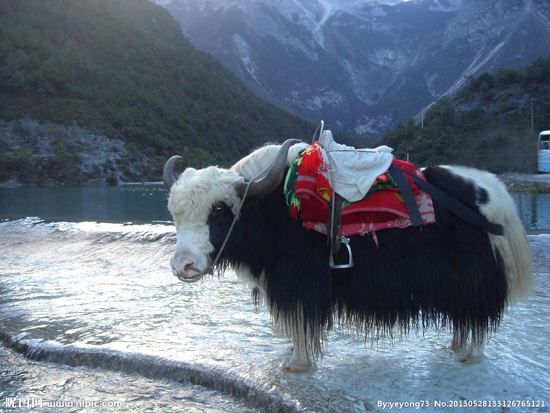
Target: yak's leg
{"points": [[475, 351], [459, 340], [299, 361], [297, 332]]}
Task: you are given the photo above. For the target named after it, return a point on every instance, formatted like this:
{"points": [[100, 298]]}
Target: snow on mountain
{"points": [[363, 65]]}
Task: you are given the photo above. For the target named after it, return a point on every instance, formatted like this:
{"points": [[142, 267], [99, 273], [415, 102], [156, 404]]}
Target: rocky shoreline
{"points": [[35, 153], [536, 183], [49, 154]]}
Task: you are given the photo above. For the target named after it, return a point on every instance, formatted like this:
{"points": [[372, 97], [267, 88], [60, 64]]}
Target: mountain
{"points": [[363, 65], [118, 79], [491, 123]]}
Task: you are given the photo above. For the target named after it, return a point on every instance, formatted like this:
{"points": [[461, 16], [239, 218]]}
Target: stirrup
{"points": [[334, 266]]}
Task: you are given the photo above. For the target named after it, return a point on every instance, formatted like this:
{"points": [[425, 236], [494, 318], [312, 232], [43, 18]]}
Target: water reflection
{"points": [[534, 210]]}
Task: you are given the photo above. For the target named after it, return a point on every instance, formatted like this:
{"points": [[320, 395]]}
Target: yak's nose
{"points": [[184, 267]]}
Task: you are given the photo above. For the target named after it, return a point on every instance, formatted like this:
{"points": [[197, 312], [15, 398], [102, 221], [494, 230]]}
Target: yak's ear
{"points": [[273, 176], [168, 176]]}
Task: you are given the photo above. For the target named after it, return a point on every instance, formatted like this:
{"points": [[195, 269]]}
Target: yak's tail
{"points": [[516, 254], [512, 246]]}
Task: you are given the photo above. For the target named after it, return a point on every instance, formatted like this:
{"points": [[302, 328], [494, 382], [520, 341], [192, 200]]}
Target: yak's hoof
{"points": [[468, 359], [296, 367]]}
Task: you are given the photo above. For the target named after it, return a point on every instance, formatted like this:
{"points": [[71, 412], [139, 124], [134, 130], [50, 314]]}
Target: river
{"points": [[93, 320]]}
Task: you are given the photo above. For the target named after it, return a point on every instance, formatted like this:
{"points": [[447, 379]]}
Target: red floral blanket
{"points": [[308, 194]]}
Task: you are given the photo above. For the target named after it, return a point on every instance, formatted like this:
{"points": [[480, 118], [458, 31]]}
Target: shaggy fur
{"points": [[499, 207], [259, 160], [444, 274]]}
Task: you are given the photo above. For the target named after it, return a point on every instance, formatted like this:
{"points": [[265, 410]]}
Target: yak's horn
{"points": [[272, 178], [168, 176]]}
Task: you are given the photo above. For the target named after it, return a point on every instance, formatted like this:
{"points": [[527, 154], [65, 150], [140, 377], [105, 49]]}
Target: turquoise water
{"points": [[534, 210], [147, 203], [101, 203]]}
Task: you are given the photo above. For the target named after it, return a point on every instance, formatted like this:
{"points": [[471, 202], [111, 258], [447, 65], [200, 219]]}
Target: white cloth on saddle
{"points": [[353, 171]]}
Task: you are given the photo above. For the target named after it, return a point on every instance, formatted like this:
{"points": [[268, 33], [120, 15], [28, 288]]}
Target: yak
{"points": [[450, 273]]}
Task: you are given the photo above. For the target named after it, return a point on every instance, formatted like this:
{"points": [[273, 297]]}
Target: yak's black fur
{"points": [[441, 274]]}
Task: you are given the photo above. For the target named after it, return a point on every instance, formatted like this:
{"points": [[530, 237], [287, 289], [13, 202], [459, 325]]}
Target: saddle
{"points": [[318, 204], [334, 222], [398, 197]]}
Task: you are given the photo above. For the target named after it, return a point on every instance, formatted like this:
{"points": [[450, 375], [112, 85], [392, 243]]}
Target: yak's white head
{"points": [[196, 194], [191, 200]]}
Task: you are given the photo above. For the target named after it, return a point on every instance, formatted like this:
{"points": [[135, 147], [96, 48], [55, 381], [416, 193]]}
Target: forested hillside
{"points": [[486, 125], [119, 69]]}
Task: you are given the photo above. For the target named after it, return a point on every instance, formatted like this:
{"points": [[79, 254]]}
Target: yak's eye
{"points": [[218, 209]]}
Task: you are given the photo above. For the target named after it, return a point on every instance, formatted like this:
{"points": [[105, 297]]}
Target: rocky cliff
{"points": [[363, 65]]}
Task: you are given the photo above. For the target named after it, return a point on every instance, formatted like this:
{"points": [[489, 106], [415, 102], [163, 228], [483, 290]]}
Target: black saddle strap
{"points": [[333, 222], [455, 206], [408, 196]]}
